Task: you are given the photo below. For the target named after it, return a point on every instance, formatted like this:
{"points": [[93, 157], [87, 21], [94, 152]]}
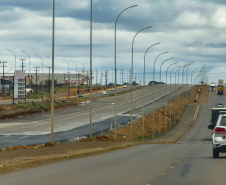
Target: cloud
{"points": [[189, 30]]}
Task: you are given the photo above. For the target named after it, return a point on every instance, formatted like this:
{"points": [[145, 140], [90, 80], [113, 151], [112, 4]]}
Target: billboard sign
{"points": [[19, 84]]}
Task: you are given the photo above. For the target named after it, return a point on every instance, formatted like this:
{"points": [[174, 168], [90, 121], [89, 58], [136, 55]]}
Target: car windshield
{"points": [[223, 121]]}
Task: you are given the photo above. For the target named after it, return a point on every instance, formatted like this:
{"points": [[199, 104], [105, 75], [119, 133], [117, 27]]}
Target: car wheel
{"points": [[215, 154]]}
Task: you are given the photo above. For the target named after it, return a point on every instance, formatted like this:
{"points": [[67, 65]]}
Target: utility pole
{"points": [[22, 59], [36, 71], [101, 79], [87, 80], [106, 80], [96, 81], [49, 80], [122, 76], [78, 84], [3, 63]]}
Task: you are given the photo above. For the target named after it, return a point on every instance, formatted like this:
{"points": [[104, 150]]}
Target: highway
{"points": [[187, 162], [74, 122], [94, 94]]}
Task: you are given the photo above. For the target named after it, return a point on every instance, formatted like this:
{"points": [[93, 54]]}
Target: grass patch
{"points": [[35, 107]]}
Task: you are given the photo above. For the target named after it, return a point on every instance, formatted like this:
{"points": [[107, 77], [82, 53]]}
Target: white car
{"points": [[104, 93], [29, 90], [219, 136], [124, 86]]}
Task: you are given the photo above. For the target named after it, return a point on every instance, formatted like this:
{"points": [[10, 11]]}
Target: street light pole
{"points": [[116, 67], [170, 96], [49, 80], [154, 64], [42, 76], [14, 55], [161, 66], [187, 72], [52, 92], [29, 71], [192, 75], [178, 103], [75, 75], [91, 73], [68, 78], [187, 64], [175, 88], [144, 81], [131, 90], [166, 94]]}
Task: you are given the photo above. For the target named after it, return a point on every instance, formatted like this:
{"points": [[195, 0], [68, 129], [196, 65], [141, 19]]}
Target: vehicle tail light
{"points": [[219, 130]]}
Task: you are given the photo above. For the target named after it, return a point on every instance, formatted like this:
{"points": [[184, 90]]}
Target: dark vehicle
{"points": [[220, 90], [219, 105], [155, 82], [80, 96]]}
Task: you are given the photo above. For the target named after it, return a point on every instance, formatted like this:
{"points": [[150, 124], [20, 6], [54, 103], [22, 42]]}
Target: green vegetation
{"points": [[49, 82], [59, 104], [137, 138], [37, 107]]}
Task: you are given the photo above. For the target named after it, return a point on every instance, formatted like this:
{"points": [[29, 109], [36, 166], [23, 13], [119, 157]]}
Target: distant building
{"points": [[61, 78]]}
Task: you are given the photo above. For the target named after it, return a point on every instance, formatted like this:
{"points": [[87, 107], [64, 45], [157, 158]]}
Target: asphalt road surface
{"points": [[188, 162], [95, 94], [74, 122]]}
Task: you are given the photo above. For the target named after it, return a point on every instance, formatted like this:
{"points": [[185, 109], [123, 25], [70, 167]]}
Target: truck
{"points": [[212, 87], [220, 89], [218, 127], [220, 82], [215, 112]]}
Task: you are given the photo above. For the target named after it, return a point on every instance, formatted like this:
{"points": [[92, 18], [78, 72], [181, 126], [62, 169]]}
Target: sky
{"points": [[189, 30]]}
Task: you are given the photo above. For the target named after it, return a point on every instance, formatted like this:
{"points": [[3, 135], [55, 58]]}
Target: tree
{"points": [[134, 83], [49, 82]]}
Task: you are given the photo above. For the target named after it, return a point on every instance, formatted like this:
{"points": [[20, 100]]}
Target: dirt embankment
{"points": [[18, 158]]}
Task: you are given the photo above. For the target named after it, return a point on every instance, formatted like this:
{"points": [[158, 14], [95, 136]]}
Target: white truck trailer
{"points": [[220, 82], [212, 87]]}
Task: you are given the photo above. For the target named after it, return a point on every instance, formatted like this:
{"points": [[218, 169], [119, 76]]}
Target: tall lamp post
{"points": [[166, 94], [116, 67], [29, 71], [170, 96], [193, 72], [91, 73], [76, 72], [52, 92], [154, 83], [154, 64], [14, 55], [144, 81], [161, 66], [187, 72], [192, 75], [187, 64], [176, 88], [112, 74], [131, 90], [68, 78], [42, 76]]}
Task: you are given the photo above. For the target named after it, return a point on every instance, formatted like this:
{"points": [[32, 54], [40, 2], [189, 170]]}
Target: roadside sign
{"points": [[19, 84]]}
